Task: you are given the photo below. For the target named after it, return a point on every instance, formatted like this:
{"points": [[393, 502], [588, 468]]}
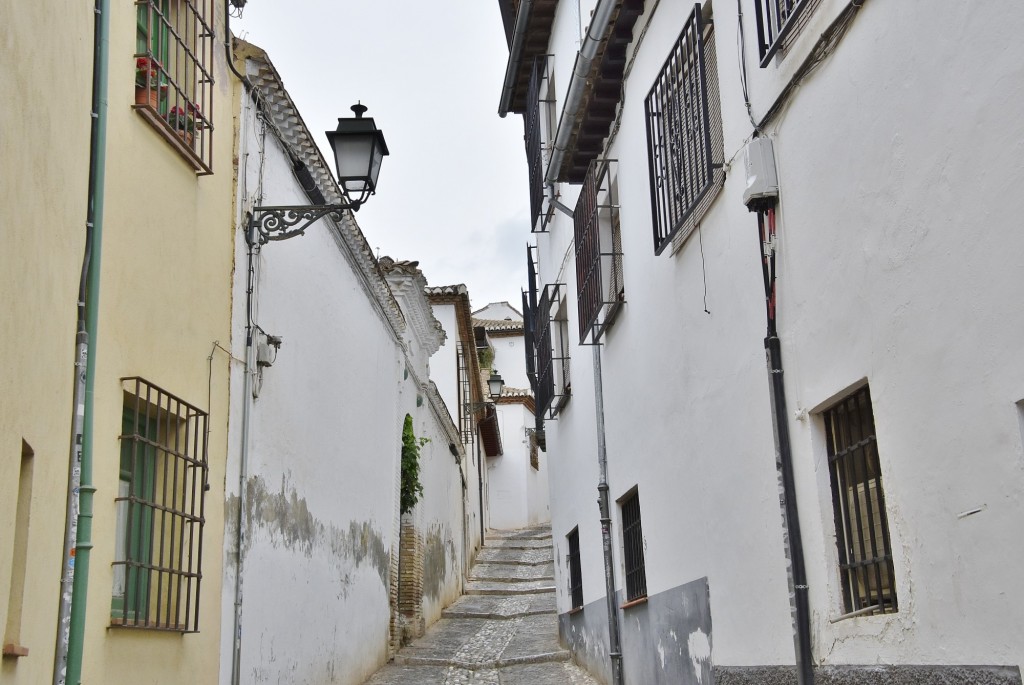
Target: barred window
{"points": [[174, 74], [575, 569], [530, 319], [684, 139], [552, 339], [463, 373], [534, 141], [858, 500], [160, 500], [776, 19], [599, 287], [633, 547]]}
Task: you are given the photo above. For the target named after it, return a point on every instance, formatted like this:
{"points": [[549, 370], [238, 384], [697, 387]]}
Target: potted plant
{"points": [[183, 120], [148, 88]]}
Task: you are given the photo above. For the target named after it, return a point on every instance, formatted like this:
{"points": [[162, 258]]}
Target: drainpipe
{"points": [[515, 55], [67, 666], [614, 648], [578, 85]]}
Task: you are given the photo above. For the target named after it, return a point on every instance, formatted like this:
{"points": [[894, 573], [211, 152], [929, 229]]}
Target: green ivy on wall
{"points": [[412, 489]]}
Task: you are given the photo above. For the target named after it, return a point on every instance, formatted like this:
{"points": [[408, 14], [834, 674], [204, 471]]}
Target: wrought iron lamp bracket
{"points": [[280, 223]]}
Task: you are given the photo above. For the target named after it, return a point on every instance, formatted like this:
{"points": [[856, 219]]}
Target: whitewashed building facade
{"points": [[852, 510], [324, 575]]}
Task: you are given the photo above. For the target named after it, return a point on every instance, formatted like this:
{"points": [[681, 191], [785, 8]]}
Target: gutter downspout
{"points": [[614, 648], [578, 85], [515, 55], [71, 616]]}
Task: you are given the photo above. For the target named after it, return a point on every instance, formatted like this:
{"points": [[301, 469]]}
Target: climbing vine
{"points": [[412, 489]]}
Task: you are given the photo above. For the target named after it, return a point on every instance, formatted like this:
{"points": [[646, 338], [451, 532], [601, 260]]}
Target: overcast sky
{"points": [[453, 193]]}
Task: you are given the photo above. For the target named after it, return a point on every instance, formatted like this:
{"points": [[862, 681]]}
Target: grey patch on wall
{"points": [[667, 639], [437, 546], [871, 675], [286, 518]]}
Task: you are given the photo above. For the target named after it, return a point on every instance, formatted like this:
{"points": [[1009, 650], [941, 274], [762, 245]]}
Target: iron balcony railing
{"points": [[534, 149], [599, 287], [530, 318]]}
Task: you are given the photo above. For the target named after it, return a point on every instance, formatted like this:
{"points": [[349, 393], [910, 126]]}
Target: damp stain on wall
{"points": [[438, 558], [285, 519]]}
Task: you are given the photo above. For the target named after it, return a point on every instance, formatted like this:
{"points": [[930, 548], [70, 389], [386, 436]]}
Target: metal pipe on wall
{"points": [[614, 642]]}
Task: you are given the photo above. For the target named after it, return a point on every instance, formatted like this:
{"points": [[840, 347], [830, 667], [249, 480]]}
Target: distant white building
{"points": [[324, 574], [517, 475], [828, 184]]}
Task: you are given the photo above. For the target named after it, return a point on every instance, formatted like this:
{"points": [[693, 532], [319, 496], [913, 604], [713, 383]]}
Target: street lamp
{"points": [[494, 385], [359, 148]]}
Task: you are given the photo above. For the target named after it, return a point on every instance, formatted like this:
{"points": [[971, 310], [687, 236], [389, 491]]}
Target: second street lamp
{"points": [[359, 149]]}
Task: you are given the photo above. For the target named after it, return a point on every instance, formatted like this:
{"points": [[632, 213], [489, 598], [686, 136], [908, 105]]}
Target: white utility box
{"points": [[762, 182]]}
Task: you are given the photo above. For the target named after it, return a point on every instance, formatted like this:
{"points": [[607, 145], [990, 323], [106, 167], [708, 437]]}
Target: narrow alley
{"points": [[503, 630]]}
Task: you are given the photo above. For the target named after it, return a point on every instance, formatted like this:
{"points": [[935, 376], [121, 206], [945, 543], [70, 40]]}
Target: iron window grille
{"points": [[463, 373], [174, 81], [575, 569], [160, 511], [600, 291], [530, 318], [533, 124], [858, 500], [633, 547], [684, 145], [553, 381], [776, 19]]}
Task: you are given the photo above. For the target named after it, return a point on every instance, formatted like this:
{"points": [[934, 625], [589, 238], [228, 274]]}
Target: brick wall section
{"points": [[410, 581]]}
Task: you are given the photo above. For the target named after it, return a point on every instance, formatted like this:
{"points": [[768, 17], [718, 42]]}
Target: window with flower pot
{"points": [[174, 74]]}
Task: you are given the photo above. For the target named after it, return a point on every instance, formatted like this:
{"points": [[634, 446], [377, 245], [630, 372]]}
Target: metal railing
{"points": [[633, 548], [534, 152], [775, 19], [598, 243]]}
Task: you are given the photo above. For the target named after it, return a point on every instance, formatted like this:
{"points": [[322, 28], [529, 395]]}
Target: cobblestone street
{"points": [[503, 631]]}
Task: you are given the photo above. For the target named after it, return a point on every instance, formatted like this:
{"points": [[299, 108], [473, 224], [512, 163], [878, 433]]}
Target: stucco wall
{"points": [[898, 260]]}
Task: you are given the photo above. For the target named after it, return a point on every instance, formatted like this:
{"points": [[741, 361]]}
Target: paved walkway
{"points": [[503, 631]]}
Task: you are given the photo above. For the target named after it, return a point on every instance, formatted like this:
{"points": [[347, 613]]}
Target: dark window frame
{"points": [[533, 135], [600, 290], [161, 510], [174, 83], [573, 560], [866, 568], [776, 19], [554, 385], [633, 546]]}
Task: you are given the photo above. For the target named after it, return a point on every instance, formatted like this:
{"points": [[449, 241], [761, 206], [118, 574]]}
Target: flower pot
{"points": [[188, 137], [147, 96]]}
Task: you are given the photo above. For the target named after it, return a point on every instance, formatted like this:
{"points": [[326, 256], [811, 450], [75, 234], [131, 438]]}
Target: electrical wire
{"points": [[742, 49]]}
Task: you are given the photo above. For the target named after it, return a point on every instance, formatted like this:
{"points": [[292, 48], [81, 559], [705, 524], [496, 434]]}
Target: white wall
{"points": [[899, 263]]}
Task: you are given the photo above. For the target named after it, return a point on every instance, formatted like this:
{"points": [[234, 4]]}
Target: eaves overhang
{"points": [[593, 119], [529, 41]]}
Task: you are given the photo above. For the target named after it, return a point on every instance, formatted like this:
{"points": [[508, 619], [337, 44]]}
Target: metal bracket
{"points": [[281, 223]]}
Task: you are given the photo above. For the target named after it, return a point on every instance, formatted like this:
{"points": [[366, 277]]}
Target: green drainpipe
{"points": [[97, 171]]}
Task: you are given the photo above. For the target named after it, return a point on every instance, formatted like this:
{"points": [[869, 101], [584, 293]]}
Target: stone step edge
{"points": [[513, 541], [506, 579], [449, 613], [544, 657], [511, 591], [485, 562]]}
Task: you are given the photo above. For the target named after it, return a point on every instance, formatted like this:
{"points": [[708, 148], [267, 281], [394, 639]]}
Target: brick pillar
{"points": [[410, 580]]}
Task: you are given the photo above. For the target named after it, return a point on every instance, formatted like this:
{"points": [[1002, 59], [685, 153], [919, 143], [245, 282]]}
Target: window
{"points": [[776, 19], [173, 74], [161, 493], [463, 373], [684, 135], [12, 646], [552, 339], [530, 319], [858, 500], [599, 287], [633, 547], [575, 569], [534, 157]]}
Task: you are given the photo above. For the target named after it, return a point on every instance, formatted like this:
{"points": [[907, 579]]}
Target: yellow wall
{"points": [[164, 300]]}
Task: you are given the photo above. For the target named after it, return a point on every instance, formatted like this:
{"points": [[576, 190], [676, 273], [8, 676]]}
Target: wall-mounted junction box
{"points": [[762, 189]]}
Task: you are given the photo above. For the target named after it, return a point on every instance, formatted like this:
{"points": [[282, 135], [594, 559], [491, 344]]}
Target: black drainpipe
{"points": [[784, 458]]}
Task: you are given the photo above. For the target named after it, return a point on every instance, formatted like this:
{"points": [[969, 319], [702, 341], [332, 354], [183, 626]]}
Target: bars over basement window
{"points": [[174, 74], [598, 242], [633, 547], [160, 500], [858, 500], [575, 569]]}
